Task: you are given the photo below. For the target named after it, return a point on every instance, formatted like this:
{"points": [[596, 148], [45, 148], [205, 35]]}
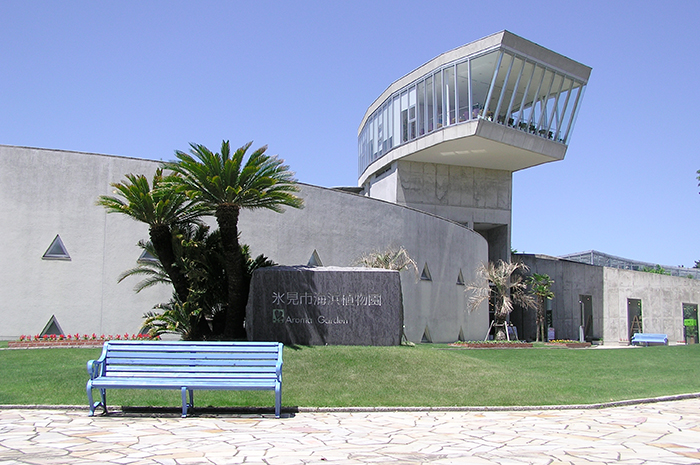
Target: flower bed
{"points": [[569, 344], [71, 340], [491, 344]]}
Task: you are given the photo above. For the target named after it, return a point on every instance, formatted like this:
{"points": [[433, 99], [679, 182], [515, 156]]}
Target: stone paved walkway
{"points": [[657, 433]]}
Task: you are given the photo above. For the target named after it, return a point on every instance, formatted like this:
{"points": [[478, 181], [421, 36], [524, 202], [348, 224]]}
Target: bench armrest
{"points": [[95, 368]]}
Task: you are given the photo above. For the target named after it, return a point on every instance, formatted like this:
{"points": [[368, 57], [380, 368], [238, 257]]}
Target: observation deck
{"points": [[499, 103]]}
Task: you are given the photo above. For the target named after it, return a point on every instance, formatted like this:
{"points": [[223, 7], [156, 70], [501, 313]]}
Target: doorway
{"points": [[586, 303], [690, 323], [634, 317]]}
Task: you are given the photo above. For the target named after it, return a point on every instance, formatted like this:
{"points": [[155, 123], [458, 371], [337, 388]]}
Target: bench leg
{"points": [[184, 401], [278, 401], [93, 405]]}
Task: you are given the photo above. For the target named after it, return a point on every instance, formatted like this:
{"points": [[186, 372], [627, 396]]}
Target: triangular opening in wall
{"points": [[315, 260], [56, 251], [426, 336], [425, 274], [461, 334], [52, 327], [460, 278], [147, 257]]}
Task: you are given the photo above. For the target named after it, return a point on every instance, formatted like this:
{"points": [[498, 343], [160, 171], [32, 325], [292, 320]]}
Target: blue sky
{"points": [[144, 78]]}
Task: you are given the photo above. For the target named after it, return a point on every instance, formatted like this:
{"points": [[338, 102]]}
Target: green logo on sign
{"points": [[278, 315], [690, 322]]}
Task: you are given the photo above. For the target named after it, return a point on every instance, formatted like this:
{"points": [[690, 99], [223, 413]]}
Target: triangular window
{"points": [[461, 334], [56, 251], [425, 275], [426, 336], [460, 278], [147, 257], [52, 327], [315, 260]]}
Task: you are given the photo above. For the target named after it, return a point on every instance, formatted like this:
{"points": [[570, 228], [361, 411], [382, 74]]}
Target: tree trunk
{"points": [[162, 240], [227, 218]]}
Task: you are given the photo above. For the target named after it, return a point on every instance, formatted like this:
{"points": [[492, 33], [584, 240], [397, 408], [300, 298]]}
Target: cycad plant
{"points": [[222, 184], [162, 209]]}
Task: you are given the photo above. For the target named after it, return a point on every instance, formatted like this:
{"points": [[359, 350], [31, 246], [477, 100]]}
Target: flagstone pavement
{"points": [[648, 433]]}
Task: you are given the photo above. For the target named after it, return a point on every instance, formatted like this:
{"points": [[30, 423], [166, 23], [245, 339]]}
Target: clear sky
{"points": [[144, 78]]}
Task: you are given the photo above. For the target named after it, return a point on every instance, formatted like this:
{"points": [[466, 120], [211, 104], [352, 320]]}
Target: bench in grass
{"points": [[649, 338], [187, 366]]}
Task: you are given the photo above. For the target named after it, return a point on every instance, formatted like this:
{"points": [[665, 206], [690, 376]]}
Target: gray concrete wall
{"points": [[48, 192], [341, 227], [662, 299], [571, 280], [662, 303]]}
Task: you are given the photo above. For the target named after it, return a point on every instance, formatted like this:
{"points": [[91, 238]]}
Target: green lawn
{"points": [[425, 375]]}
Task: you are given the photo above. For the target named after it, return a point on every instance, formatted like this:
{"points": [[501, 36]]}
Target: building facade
{"points": [[65, 254], [608, 305], [436, 153], [446, 137]]}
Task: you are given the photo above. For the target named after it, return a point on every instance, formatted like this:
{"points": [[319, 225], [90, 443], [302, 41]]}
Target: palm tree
{"points": [[541, 288], [162, 209], [222, 185], [503, 283]]}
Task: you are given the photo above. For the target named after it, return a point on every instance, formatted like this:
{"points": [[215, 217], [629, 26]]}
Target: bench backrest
{"points": [[177, 359], [648, 336]]}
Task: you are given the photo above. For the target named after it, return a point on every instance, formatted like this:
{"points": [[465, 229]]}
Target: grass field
{"points": [[425, 375]]}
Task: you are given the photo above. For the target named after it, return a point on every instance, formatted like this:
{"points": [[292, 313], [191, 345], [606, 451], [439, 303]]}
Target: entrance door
{"points": [[586, 316], [690, 323], [634, 317]]}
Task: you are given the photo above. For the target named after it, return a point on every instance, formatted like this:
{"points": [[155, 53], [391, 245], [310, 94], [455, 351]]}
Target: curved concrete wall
{"points": [[341, 227], [48, 192]]}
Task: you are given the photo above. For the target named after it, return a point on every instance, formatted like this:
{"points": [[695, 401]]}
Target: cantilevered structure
{"points": [[446, 137]]}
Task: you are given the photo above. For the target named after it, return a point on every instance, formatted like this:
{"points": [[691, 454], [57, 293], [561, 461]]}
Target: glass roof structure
{"points": [[501, 102], [593, 257]]}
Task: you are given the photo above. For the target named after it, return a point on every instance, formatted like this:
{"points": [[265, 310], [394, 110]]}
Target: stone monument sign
{"points": [[325, 305]]}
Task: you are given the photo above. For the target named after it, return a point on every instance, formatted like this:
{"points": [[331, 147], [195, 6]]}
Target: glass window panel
{"points": [[449, 94], [438, 98], [412, 113], [552, 105], [482, 69], [540, 116], [562, 104], [397, 120], [571, 111], [389, 140], [531, 99], [404, 117], [373, 136], [510, 94], [421, 108], [497, 95], [429, 103], [519, 104], [463, 90]]}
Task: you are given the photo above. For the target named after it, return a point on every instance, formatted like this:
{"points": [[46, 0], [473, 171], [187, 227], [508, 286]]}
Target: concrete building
{"points": [[607, 304], [64, 254], [436, 149], [446, 137]]}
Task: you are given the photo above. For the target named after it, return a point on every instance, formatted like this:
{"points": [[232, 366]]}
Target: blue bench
{"points": [[649, 338], [186, 366]]}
